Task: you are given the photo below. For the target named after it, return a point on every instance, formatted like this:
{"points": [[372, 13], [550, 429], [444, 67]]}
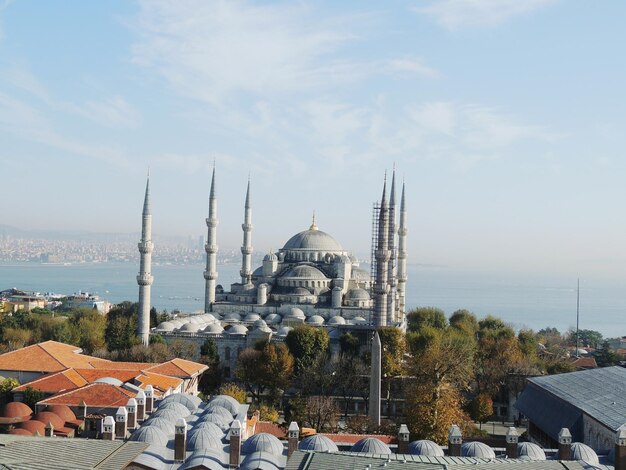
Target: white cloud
{"points": [[460, 14], [412, 66], [111, 112]]}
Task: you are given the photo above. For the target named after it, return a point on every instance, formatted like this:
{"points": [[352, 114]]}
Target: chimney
{"points": [[180, 440], [455, 439], [619, 462], [511, 443], [121, 421], [235, 443], [131, 408], [293, 433], [82, 410], [403, 439], [149, 399], [565, 444], [141, 405], [108, 427], [49, 431]]}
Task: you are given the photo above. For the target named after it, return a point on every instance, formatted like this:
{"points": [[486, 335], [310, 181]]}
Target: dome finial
{"points": [[313, 226]]}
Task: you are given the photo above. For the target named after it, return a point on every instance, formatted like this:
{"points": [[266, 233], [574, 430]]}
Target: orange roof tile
{"points": [[137, 366], [270, 428], [97, 395], [179, 368], [91, 375], [160, 382], [55, 382], [49, 356]]}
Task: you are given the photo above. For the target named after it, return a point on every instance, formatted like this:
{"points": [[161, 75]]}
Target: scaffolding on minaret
{"points": [[373, 262]]}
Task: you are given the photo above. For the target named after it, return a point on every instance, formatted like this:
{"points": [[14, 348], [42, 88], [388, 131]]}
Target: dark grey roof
{"points": [[601, 393], [301, 460], [34, 453]]}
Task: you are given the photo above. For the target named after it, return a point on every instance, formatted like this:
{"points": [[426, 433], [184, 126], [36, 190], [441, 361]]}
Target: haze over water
{"points": [[523, 300]]}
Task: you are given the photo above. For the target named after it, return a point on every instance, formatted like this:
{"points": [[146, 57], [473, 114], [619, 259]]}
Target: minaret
{"points": [[381, 287], [391, 243], [246, 248], [402, 232], [144, 279], [210, 274]]}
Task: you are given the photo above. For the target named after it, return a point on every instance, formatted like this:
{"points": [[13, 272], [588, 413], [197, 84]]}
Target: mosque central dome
{"points": [[312, 239]]}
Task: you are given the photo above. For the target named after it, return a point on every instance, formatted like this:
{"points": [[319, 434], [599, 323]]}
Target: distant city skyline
{"points": [[503, 117]]}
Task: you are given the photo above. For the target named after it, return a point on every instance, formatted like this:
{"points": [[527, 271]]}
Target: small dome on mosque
{"points": [[357, 294], [585, 453], [16, 409], [371, 445], [477, 449], [196, 319], [238, 330], [425, 447], [359, 321], [336, 320], [64, 412], [530, 451], [315, 320], [177, 322], [210, 459], [232, 316], [300, 291], [262, 442], [273, 318], [270, 257], [151, 435], [260, 323], [251, 317], [220, 421], [214, 328], [304, 271], [190, 327], [220, 411], [166, 326], [164, 424], [192, 402], [181, 410], [318, 443], [203, 438], [295, 312], [211, 427], [283, 331]]}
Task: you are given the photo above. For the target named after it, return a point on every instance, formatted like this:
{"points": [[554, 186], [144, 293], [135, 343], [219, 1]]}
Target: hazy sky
{"points": [[506, 118]]}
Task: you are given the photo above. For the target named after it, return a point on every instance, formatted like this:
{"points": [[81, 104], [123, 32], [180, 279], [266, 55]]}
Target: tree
{"points": [[121, 327], [268, 367], [232, 390], [33, 396], [88, 328], [392, 360], [441, 370], [589, 338], [351, 378], [6, 386], [321, 413], [481, 408], [605, 356], [305, 343], [349, 344], [426, 316], [464, 320]]}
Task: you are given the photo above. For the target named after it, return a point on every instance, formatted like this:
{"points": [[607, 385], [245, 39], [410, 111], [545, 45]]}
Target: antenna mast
{"points": [[577, 313]]}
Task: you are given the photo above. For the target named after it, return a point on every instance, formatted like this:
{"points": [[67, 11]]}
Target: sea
{"points": [[522, 300]]}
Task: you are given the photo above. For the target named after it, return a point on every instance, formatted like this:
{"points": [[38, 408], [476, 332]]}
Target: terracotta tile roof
{"points": [[136, 366], [160, 382], [354, 438], [585, 362], [94, 395], [91, 375], [179, 368], [55, 382], [270, 428]]}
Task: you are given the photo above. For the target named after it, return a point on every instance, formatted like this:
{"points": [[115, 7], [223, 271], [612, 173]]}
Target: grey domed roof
{"points": [[252, 317], [190, 401], [262, 461], [163, 424], [177, 407], [207, 458], [315, 320], [110, 381], [227, 402], [203, 438], [304, 271], [477, 449], [260, 323], [371, 445], [210, 427], [336, 320], [425, 447], [270, 257], [318, 443], [360, 274], [284, 331], [531, 451], [585, 453], [152, 435], [359, 321], [220, 421], [218, 410], [196, 319], [300, 291], [358, 294], [237, 330], [262, 442], [232, 316], [314, 240], [190, 327], [167, 413]]}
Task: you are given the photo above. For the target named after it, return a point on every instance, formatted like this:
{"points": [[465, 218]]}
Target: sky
{"points": [[505, 119]]}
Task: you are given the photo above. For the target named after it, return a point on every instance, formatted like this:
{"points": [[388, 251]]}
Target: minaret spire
{"points": [[144, 278], [391, 243], [402, 273], [210, 274], [382, 254], [246, 247]]}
